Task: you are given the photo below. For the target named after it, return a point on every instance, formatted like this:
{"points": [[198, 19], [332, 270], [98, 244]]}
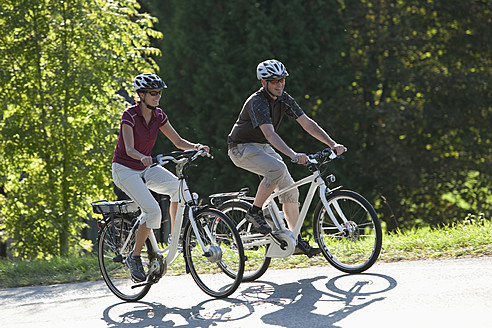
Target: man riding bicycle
{"points": [[253, 135]]}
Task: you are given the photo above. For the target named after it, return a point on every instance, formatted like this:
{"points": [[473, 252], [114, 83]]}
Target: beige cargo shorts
{"points": [[263, 160]]}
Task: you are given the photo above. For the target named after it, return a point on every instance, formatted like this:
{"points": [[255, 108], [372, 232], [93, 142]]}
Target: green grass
{"points": [[458, 241], [47, 272], [467, 239]]}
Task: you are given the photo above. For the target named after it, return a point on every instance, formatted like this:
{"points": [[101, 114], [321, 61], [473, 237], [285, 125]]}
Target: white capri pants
{"points": [[157, 179]]}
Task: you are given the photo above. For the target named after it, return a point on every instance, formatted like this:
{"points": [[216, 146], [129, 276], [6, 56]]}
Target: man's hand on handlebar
{"points": [[206, 149], [300, 158], [331, 153]]}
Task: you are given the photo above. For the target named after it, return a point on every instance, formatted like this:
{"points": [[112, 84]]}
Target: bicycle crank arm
{"points": [[143, 284], [153, 277], [281, 243]]}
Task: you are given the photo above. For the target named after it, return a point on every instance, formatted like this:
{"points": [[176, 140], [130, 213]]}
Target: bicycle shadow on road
{"points": [[316, 302], [205, 314], [313, 302]]}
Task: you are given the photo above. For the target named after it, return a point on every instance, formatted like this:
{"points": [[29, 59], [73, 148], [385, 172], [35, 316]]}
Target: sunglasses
{"points": [[282, 80], [154, 93]]}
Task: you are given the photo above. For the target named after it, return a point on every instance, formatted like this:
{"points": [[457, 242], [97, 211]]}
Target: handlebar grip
{"points": [[155, 160], [202, 152]]}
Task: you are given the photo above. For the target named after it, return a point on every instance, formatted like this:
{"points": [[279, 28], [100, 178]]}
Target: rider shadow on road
{"points": [[317, 303], [313, 302]]}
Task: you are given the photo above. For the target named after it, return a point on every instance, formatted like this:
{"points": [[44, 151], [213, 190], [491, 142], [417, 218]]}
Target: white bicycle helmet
{"points": [[148, 81], [271, 69]]}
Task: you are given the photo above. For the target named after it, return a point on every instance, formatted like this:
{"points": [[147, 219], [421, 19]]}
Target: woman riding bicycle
{"points": [[253, 135], [140, 125]]}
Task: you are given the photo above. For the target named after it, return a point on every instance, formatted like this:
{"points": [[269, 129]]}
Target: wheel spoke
{"points": [[357, 247], [255, 245], [116, 274], [220, 272]]}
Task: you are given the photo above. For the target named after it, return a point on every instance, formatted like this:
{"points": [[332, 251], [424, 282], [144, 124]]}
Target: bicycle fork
{"points": [[213, 253], [328, 208]]}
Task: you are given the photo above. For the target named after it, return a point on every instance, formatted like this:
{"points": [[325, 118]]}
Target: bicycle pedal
{"points": [[118, 258]]}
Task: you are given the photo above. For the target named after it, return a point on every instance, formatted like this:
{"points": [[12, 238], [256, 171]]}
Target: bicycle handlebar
{"points": [[180, 157], [320, 156], [327, 152], [177, 157]]}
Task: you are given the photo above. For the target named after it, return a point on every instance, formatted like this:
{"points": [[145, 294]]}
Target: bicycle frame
{"points": [[186, 198], [270, 206], [316, 182]]}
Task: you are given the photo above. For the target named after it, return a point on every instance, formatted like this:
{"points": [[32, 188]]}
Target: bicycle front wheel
{"points": [[356, 247], [218, 267], [112, 259], [254, 249]]}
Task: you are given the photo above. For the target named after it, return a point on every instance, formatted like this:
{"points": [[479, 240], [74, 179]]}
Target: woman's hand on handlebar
{"points": [[146, 160], [339, 149], [202, 147]]}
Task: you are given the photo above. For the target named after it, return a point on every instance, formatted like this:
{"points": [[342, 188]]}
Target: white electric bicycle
{"points": [[210, 243], [346, 226]]}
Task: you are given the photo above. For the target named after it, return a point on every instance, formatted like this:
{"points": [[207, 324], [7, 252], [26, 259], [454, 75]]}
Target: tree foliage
{"points": [[423, 72], [61, 66], [404, 84]]}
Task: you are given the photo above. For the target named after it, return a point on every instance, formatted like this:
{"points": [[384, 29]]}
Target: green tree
{"points": [[421, 105], [62, 67], [210, 53], [404, 84]]}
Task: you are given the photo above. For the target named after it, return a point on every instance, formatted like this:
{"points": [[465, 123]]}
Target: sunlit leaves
{"points": [[62, 64]]}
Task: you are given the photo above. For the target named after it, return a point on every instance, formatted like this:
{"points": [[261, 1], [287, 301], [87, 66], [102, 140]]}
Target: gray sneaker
{"points": [[258, 222], [136, 267]]}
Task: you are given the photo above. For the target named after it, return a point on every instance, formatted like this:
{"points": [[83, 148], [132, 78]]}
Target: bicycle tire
{"points": [[257, 262], [358, 248], [220, 272], [112, 260]]}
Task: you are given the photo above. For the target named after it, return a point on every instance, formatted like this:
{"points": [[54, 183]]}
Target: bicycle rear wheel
{"points": [[357, 247], [219, 270], [255, 254], [112, 259]]}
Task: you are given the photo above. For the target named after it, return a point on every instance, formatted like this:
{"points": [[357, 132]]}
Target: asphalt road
{"points": [[432, 293]]}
